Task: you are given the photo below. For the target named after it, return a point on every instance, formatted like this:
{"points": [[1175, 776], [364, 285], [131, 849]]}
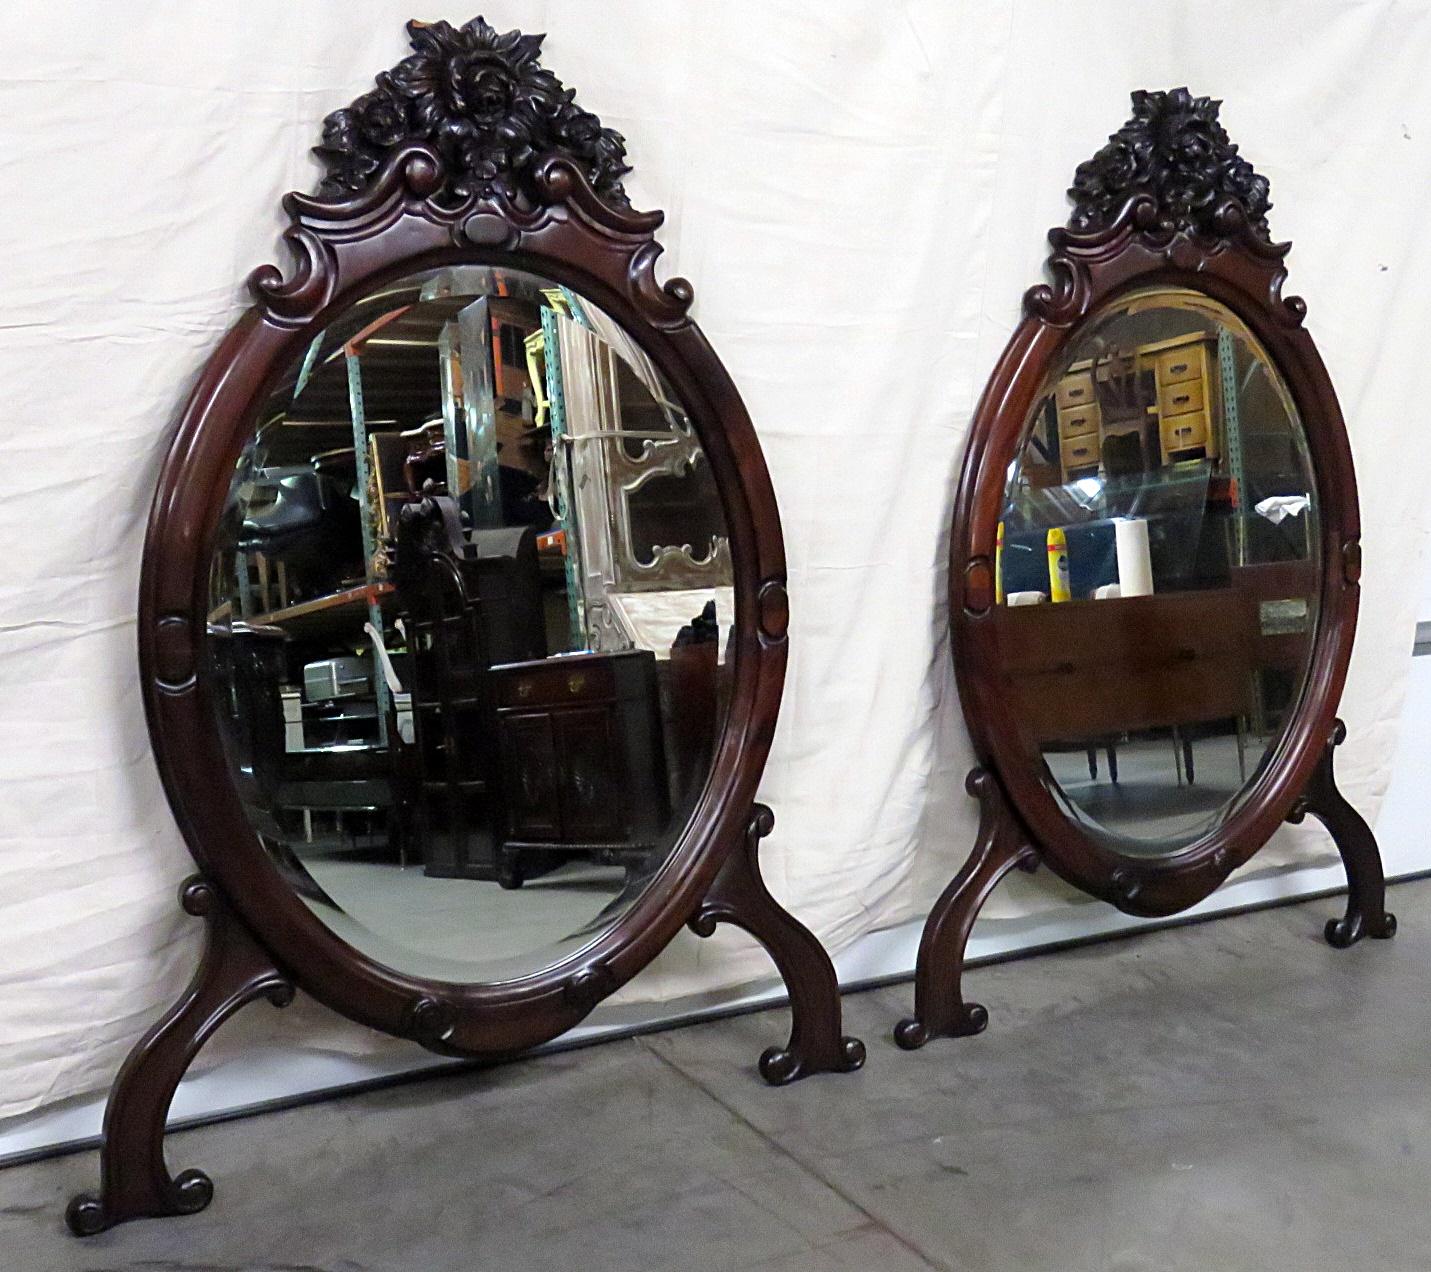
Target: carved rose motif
{"points": [[381, 120], [487, 105], [1174, 149]]}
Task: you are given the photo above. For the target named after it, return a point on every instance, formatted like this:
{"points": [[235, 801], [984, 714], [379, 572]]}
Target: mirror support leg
{"points": [[134, 1181], [739, 897], [939, 1007], [1366, 885]]}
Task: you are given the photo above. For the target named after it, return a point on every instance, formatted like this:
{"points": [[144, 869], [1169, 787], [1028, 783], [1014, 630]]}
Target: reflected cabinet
{"points": [[1155, 558], [463, 612]]}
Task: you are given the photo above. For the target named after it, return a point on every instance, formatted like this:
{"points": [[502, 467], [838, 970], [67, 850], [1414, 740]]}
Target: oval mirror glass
{"points": [[469, 623], [1158, 570]]}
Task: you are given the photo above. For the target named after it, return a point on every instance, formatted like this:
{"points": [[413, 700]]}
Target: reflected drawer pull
{"points": [[1078, 421], [1183, 397], [1080, 450], [1178, 368], [1075, 393]]}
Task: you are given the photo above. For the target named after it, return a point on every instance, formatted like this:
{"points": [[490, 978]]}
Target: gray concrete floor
{"points": [[1228, 1096]]}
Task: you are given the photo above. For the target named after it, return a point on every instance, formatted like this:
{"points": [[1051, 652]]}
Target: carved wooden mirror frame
{"points": [[467, 152], [1167, 201]]}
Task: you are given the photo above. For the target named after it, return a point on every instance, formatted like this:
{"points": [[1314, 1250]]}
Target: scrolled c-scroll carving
{"points": [[488, 107], [1174, 149], [308, 289], [665, 304], [1065, 298], [235, 970], [410, 174], [739, 897]]}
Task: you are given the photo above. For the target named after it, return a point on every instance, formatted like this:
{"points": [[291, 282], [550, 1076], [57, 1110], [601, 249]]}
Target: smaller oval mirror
{"points": [[1153, 583], [1157, 570], [469, 618]]}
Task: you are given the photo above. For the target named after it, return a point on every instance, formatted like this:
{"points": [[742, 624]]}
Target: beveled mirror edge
{"points": [[569, 249], [411, 210], [1145, 215]]}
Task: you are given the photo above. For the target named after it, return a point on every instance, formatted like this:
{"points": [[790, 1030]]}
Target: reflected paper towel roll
{"points": [[1135, 566]]}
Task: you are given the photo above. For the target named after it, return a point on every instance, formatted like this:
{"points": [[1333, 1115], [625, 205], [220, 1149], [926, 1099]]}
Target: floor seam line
{"points": [[810, 1170]]}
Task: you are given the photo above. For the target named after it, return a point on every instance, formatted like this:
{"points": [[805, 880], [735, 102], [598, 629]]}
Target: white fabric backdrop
{"points": [[859, 192]]}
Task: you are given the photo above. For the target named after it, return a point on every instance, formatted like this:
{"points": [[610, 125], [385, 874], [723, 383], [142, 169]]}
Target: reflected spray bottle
{"points": [[999, 565], [1058, 566]]}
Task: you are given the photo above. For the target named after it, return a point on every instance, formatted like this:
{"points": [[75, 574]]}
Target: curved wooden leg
{"points": [[134, 1181], [1366, 885], [739, 896], [939, 1007]]}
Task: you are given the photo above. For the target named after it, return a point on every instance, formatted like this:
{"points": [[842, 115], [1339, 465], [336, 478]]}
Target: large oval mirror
{"points": [[469, 616], [439, 637], [1158, 568]]}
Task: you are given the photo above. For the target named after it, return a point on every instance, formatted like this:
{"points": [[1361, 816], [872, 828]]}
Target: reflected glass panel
{"points": [[469, 621], [1158, 570]]}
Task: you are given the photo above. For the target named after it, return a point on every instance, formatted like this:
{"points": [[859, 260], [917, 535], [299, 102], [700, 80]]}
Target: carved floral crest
{"points": [[488, 107], [1174, 150]]}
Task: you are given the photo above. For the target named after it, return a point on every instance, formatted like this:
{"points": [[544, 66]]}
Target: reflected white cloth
{"points": [[656, 617], [860, 196], [1277, 508]]}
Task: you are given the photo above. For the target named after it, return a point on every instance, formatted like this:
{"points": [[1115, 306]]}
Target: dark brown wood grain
{"points": [[1149, 211], [136, 1182], [1245, 273], [345, 250], [408, 205]]}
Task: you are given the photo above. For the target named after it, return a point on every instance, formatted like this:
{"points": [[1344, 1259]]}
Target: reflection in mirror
{"points": [[1157, 570], [469, 623]]}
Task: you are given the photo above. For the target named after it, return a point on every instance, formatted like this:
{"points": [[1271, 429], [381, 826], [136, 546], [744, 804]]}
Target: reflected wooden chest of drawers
{"points": [[582, 758], [1187, 396]]}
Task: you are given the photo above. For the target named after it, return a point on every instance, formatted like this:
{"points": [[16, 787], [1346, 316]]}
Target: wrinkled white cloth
{"points": [[1277, 508], [860, 194]]}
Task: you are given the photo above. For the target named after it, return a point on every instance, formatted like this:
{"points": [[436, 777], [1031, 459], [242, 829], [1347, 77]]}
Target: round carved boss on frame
{"points": [[1151, 592], [462, 615]]}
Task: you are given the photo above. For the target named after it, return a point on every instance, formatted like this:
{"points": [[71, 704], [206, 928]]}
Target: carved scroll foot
{"points": [[1366, 884], [939, 1007], [134, 1181], [739, 896]]}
